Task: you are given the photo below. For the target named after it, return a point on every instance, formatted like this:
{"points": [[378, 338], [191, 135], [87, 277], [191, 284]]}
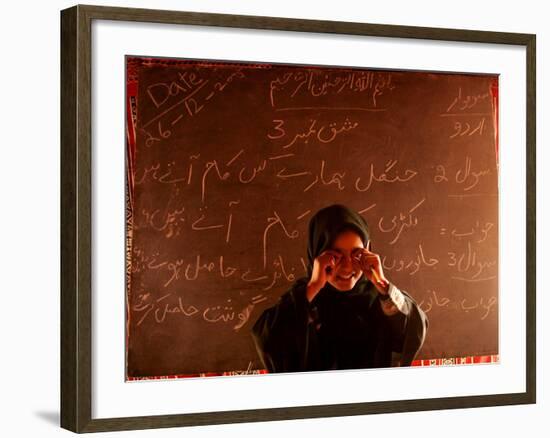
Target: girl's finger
{"points": [[368, 267], [331, 260], [372, 259], [332, 266]]}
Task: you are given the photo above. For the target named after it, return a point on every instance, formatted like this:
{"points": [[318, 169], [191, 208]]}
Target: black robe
{"points": [[337, 330]]}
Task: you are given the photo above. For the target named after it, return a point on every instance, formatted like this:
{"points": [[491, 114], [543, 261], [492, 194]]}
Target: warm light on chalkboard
{"points": [[227, 163]]}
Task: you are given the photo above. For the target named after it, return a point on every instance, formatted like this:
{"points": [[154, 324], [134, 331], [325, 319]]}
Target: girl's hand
{"points": [[371, 266], [324, 267]]}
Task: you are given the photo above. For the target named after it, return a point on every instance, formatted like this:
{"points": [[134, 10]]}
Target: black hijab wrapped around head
{"points": [[326, 224]]}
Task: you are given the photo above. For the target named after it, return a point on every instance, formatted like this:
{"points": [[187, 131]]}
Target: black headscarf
{"points": [[326, 224]]}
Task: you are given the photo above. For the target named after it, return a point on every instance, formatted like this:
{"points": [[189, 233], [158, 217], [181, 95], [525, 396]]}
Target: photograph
{"points": [[289, 218]]}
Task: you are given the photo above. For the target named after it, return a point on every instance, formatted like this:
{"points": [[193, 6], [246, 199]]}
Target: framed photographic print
{"points": [[268, 218]]}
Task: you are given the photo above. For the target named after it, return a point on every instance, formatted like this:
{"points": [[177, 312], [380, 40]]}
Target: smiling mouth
{"points": [[346, 277]]}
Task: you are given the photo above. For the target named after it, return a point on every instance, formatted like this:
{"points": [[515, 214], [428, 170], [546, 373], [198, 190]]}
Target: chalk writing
{"points": [[139, 259], [192, 102], [304, 214], [281, 272], [168, 220], [440, 175], [191, 271], [255, 170], [166, 176], [221, 176], [182, 269], [464, 176], [466, 102], [190, 105], [400, 222], [171, 220], [465, 128], [412, 265], [282, 174], [469, 266], [322, 133], [481, 231], [272, 221], [434, 301], [232, 160], [467, 177], [384, 176], [184, 83], [159, 310], [175, 269], [198, 225], [316, 84], [364, 210], [335, 178]]}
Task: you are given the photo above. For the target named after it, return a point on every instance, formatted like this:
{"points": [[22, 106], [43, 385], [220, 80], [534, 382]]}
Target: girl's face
{"points": [[346, 272]]}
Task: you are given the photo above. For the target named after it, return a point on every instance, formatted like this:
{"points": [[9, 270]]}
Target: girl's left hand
{"points": [[371, 266]]}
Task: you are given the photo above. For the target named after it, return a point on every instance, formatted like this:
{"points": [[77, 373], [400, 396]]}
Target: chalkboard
{"points": [[227, 161]]}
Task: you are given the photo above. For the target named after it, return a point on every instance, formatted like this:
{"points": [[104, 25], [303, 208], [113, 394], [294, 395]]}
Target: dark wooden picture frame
{"points": [[76, 218]]}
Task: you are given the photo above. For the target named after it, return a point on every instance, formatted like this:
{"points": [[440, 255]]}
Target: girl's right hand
{"points": [[324, 267]]}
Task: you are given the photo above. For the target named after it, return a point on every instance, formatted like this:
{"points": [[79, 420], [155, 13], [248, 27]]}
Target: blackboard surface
{"points": [[228, 161]]}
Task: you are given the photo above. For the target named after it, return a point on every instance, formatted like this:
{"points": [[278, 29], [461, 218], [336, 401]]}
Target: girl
{"points": [[345, 313]]}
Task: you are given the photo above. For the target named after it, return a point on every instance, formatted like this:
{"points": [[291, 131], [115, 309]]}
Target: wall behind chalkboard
{"points": [[228, 161]]}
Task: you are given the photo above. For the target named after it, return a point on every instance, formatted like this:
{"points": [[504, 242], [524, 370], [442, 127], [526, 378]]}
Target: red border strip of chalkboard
{"points": [[468, 360]]}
